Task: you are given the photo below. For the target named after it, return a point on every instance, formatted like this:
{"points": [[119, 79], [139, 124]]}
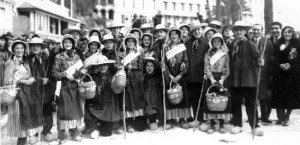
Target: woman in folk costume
{"points": [[109, 49], [208, 33], [286, 77], [106, 106], [25, 113], [134, 91], [216, 69], [176, 67], [185, 30], [70, 104], [147, 44], [94, 46], [153, 92]]}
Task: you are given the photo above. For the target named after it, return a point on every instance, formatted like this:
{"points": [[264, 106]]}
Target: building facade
{"points": [[173, 12], [6, 15]]}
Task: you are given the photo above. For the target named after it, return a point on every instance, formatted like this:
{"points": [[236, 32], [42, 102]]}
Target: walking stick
{"points": [[257, 89], [118, 60], [199, 103], [124, 114], [164, 83]]}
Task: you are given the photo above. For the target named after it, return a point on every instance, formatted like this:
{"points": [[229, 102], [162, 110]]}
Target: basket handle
{"points": [[171, 84], [84, 77], [215, 85]]}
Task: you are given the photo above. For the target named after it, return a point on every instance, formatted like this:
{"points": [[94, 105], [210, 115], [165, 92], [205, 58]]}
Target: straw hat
{"points": [[133, 37], [74, 28], [195, 24], [215, 22], [207, 29], [116, 25], [94, 39], [137, 30], [149, 59], [101, 60], [218, 35], [175, 29], [146, 26], [36, 40], [108, 37], [241, 24], [68, 36], [26, 46], [185, 25], [95, 30], [160, 27]]}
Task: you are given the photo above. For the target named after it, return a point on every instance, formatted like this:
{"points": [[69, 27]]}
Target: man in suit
{"points": [[275, 31], [266, 48]]}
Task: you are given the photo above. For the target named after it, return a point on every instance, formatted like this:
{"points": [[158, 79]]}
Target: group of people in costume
{"points": [[227, 60]]}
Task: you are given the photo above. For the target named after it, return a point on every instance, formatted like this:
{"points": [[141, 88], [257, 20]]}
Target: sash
{"points": [[149, 54], [174, 51], [130, 57], [72, 69], [217, 56]]}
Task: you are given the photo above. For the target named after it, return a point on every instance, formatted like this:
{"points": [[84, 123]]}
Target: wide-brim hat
{"points": [[108, 37], [147, 34], [160, 27], [241, 24], [215, 22], [195, 24], [131, 36], [26, 46], [36, 40], [137, 30], [185, 25], [95, 30], [149, 59], [68, 36], [94, 39], [74, 28], [115, 25], [207, 29], [146, 26], [175, 29], [101, 60]]}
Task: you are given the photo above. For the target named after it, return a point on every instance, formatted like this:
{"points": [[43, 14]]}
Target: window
{"points": [[53, 26], [191, 7], [103, 13], [166, 5], [182, 6], [111, 14], [123, 19], [198, 6], [174, 6], [63, 25], [154, 4], [111, 2], [133, 2], [103, 2]]}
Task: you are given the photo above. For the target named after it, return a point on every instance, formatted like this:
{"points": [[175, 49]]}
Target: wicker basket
{"points": [[87, 90], [8, 94], [118, 82], [214, 101], [175, 93]]}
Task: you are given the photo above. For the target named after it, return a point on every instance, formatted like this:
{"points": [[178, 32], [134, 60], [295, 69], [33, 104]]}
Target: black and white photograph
{"points": [[148, 72]]}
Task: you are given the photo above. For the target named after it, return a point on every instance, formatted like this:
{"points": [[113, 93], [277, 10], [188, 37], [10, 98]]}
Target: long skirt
{"points": [[70, 106], [226, 114]]}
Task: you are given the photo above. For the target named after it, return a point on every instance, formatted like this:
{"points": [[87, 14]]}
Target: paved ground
{"points": [[274, 134]]}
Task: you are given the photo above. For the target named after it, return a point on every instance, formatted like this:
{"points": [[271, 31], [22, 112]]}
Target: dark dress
{"points": [[173, 67], [70, 104], [286, 83], [153, 93]]}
